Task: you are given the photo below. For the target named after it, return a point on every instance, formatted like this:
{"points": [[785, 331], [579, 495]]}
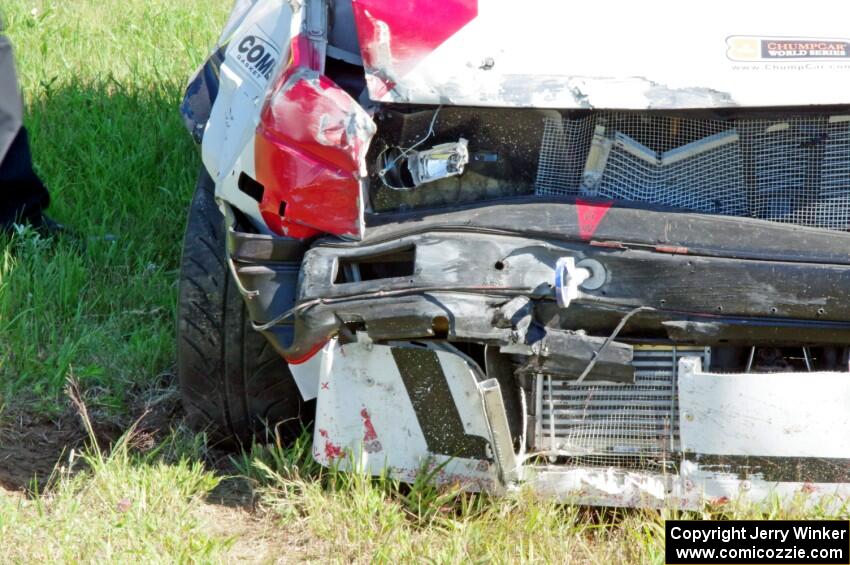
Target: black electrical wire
{"points": [[610, 338], [511, 290]]}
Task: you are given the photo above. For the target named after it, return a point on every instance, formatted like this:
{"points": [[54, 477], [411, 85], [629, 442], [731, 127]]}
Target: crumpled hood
{"points": [[637, 55]]}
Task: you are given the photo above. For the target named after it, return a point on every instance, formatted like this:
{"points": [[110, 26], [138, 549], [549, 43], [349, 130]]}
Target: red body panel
{"points": [[406, 30], [308, 149]]}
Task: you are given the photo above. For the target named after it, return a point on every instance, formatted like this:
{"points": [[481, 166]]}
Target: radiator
{"points": [[624, 425]]}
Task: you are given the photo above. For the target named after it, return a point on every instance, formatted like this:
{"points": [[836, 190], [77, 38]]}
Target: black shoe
{"points": [[47, 226]]}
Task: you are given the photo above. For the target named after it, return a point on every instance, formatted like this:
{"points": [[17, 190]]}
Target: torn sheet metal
{"points": [[256, 48], [579, 55], [223, 100], [405, 409], [277, 120], [310, 157], [311, 143]]}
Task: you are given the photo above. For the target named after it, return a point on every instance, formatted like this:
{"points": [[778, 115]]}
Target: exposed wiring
{"points": [[512, 290], [610, 338], [404, 153]]}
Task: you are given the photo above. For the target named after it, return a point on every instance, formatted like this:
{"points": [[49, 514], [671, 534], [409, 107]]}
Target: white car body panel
{"points": [[778, 416], [365, 418], [631, 55], [228, 141]]}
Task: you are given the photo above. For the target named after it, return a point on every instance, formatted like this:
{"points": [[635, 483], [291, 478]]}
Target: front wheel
{"points": [[234, 385]]}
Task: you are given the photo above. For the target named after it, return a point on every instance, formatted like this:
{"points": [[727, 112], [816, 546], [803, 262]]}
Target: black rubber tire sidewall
{"points": [[234, 385]]}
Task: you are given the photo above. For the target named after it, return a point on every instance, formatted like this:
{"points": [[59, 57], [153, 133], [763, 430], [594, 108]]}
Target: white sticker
{"points": [[256, 54]]}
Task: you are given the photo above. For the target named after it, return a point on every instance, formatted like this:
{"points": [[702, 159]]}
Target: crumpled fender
{"points": [[265, 113], [310, 152]]}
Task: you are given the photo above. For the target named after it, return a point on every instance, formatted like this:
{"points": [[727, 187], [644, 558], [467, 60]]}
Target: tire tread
{"points": [[233, 383]]}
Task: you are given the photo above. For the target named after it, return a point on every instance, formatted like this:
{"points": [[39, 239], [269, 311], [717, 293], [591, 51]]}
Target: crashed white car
{"points": [[601, 251]]}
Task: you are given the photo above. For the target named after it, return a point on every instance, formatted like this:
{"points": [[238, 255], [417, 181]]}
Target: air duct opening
{"points": [[387, 265]]}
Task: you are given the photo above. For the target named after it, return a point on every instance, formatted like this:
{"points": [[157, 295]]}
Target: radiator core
{"points": [[624, 425]]}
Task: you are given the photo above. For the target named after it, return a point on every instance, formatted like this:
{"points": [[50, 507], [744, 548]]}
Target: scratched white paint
{"points": [[604, 486], [777, 414], [688, 490], [650, 54], [360, 381], [228, 144], [308, 374], [714, 486]]}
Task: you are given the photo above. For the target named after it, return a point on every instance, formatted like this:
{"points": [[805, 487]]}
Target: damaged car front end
{"points": [[617, 289]]}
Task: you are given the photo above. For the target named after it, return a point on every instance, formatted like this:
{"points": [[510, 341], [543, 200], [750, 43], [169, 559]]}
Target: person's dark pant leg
{"points": [[23, 196]]}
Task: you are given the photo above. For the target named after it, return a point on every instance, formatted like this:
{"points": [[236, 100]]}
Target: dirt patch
{"points": [[31, 445], [257, 535]]}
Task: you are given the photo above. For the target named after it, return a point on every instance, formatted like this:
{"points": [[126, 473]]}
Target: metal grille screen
{"points": [[795, 170], [625, 425]]}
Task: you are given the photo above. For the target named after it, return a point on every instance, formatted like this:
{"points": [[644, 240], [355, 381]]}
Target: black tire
{"points": [[234, 385]]}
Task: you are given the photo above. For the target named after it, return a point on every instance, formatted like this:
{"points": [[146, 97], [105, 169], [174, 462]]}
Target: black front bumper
{"points": [[485, 274]]}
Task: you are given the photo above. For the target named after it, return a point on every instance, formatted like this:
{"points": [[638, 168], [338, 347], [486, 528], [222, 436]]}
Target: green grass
{"points": [[131, 506], [102, 81], [127, 507], [358, 518]]}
